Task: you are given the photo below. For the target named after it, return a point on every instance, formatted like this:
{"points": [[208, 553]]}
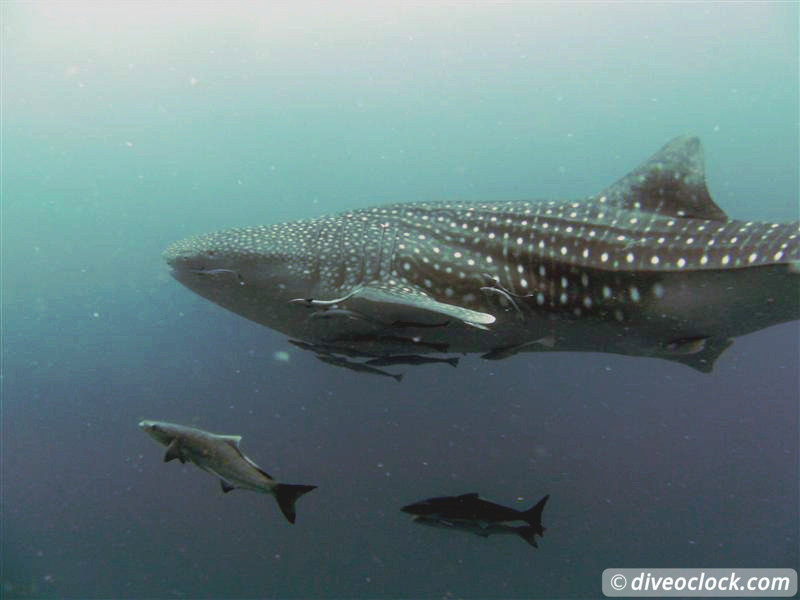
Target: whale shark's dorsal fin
{"points": [[671, 182]]}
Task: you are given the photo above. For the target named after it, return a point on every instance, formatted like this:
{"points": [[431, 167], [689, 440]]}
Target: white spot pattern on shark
{"points": [[652, 252]]}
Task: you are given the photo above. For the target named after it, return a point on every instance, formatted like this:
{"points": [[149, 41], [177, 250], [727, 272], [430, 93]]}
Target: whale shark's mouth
{"points": [[216, 273], [184, 270]]}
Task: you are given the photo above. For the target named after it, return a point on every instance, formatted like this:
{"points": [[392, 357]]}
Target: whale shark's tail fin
{"points": [[287, 494]]}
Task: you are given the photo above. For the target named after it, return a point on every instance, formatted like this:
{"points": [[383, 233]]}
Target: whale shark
{"points": [[648, 267]]}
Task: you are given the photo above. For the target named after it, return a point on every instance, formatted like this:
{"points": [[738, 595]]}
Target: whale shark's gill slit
{"points": [[380, 252], [364, 250], [339, 275], [394, 251], [504, 295], [317, 250]]}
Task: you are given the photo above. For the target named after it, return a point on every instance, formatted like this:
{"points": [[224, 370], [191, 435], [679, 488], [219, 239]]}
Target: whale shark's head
{"points": [[251, 271], [230, 266]]}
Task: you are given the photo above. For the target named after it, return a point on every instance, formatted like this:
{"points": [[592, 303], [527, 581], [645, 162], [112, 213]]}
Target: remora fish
{"points": [[411, 359], [358, 367], [220, 455], [481, 517], [329, 349], [650, 266]]}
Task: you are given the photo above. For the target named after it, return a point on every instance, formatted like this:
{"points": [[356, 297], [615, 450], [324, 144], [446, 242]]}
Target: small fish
{"points": [[340, 313], [475, 515], [357, 366], [220, 455], [687, 345], [507, 351], [412, 342], [413, 325], [526, 532], [329, 349], [410, 359]]}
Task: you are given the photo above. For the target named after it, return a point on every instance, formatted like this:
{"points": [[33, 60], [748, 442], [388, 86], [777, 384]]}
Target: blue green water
{"points": [[126, 126]]}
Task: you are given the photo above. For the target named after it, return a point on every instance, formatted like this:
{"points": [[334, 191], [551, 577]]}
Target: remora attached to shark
{"points": [[650, 266], [220, 455], [473, 514]]}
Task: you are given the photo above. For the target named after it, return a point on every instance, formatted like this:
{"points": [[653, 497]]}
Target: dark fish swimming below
{"points": [[411, 359], [220, 455], [648, 267], [473, 514], [358, 367]]}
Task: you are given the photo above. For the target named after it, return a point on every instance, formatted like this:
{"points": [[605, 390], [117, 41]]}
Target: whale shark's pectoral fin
{"points": [[671, 182], [226, 487], [174, 451], [402, 303]]}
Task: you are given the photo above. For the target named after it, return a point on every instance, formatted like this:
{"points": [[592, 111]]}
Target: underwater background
{"points": [[129, 125]]}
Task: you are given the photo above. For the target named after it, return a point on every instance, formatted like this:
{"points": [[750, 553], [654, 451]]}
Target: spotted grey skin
{"points": [[650, 266]]}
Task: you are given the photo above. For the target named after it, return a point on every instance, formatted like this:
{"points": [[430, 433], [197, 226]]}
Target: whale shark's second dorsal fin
{"points": [[672, 182]]}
